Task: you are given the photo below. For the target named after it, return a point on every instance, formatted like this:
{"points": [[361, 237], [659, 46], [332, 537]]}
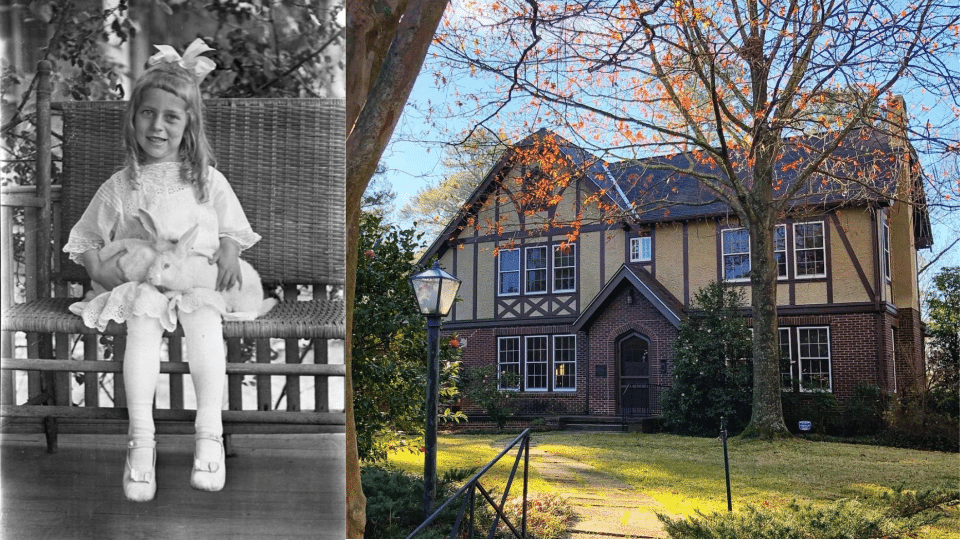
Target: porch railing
{"points": [[470, 489]]}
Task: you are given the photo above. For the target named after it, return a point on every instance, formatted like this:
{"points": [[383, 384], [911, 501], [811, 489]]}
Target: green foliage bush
{"points": [[846, 518], [395, 507], [480, 385], [860, 416], [914, 423], [713, 374], [389, 354]]}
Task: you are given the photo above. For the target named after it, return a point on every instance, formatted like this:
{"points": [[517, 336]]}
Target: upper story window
{"points": [[541, 269], [641, 249], [565, 268], [780, 249], [736, 254], [509, 272], [536, 270], [810, 255], [885, 246]]}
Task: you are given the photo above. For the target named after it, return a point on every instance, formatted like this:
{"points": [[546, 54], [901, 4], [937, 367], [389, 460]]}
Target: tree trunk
{"points": [[766, 421], [388, 40]]}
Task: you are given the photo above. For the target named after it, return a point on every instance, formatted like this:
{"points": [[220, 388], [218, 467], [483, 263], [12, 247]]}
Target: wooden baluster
{"points": [[292, 350], [321, 386], [234, 382], [264, 390], [175, 354], [7, 377], [119, 392], [91, 379]]}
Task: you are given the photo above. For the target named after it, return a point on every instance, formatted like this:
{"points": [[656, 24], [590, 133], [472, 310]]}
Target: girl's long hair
{"points": [[195, 154]]}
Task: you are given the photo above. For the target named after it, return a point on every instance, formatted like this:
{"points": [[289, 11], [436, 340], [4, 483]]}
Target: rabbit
{"points": [[139, 254], [178, 269]]}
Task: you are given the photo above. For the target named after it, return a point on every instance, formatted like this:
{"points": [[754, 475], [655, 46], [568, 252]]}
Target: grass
{"points": [[686, 473]]}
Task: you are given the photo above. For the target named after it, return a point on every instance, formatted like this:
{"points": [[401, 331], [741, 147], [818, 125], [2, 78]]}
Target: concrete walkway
{"points": [[605, 506]]}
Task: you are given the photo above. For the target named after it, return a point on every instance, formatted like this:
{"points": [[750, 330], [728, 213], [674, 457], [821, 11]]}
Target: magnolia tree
{"points": [[748, 93]]}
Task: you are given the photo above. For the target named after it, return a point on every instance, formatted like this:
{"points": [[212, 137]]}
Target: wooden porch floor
{"points": [[278, 486]]}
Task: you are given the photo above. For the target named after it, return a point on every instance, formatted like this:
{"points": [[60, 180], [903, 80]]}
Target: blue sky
{"points": [[413, 158]]}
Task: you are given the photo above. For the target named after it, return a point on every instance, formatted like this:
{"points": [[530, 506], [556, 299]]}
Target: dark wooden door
{"points": [[634, 377]]}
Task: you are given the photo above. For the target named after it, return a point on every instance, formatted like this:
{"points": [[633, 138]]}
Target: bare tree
{"points": [[771, 105]]}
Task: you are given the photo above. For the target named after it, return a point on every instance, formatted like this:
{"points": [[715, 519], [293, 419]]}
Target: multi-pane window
{"points": [[736, 254], [813, 353], [508, 363], [509, 271], [885, 242], [786, 360], [641, 249], [565, 268], [536, 363], [565, 362], [780, 249], [809, 250], [536, 270]]}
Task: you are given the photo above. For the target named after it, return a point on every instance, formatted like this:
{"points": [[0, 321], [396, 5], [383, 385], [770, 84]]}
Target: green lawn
{"points": [[686, 473]]}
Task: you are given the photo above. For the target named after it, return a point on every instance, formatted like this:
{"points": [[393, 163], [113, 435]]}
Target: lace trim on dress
{"points": [[76, 248], [142, 299]]}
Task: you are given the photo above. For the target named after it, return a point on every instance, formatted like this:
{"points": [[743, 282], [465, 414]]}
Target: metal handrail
{"points": [[473, 485]]}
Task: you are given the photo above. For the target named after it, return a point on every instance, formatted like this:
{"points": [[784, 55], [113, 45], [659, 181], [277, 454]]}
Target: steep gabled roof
{"points": [[648, 286], [864, 169], [595, 170]]}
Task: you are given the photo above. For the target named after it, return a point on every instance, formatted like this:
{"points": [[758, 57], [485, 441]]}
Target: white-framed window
{"points": [[508, 261], [641, 249], [565, 268], [810, 255], [736, 254], [780, 249], [813, 355], [885, 246], [508, 361], [536, 270], [565, 362], [536, 363], [786, 360]]}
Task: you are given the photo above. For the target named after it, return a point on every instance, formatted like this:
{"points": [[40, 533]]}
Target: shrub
{"points": [[713, 374], [846, 518], [395, 502], [911, 423], [481, 386]]}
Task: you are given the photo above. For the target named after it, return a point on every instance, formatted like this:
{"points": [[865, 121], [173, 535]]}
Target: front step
{"points": [[605, 427]]}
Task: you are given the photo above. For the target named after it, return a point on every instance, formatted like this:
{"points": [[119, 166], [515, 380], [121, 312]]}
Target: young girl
{"points": [[169, 166]]}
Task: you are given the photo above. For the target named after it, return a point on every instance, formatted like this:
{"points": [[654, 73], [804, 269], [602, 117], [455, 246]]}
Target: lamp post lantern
{"points": [[435, 291]]}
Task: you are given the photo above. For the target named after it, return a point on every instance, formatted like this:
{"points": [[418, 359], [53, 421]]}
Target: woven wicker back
{"points": [[284, 159]]}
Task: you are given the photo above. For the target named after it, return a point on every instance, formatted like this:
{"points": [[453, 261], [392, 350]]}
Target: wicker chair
{"points": [[285, 160]]}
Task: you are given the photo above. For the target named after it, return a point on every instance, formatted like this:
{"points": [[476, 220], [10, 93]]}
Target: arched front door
{"points": [[635, 376]]}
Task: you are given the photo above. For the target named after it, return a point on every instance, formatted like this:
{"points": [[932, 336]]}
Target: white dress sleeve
{"points": [[231, 219], [99, 221]]}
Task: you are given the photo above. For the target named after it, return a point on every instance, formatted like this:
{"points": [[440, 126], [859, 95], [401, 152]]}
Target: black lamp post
{"points": [[435, 291]]}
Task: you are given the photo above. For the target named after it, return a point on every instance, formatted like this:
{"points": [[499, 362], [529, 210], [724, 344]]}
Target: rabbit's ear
{"points": [[149, 223], [185, 244]]}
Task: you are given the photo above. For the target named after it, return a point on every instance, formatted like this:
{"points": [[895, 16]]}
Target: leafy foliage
{"points": [[395, 502], [894, 514], [943, 310], [846, 518], [712, 375], [390, 344], [480, 385]]}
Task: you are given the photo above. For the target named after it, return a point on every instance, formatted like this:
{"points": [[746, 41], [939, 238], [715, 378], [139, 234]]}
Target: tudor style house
{"points": [[587, 321]]}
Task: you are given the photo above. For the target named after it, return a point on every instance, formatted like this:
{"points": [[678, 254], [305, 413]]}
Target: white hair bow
{"points": [[191, 60]]}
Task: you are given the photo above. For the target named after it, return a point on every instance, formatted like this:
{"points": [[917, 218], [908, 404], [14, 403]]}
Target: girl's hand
{"points": [[227, 259], [106, 273]]}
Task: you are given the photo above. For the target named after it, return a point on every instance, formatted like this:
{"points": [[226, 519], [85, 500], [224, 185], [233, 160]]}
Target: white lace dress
{"points": [[113, 214]]}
